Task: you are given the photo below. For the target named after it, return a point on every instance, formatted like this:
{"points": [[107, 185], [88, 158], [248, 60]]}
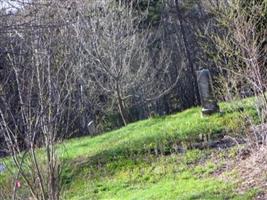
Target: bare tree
{"points": [[119, 59], [39, 110], [239, 39]]}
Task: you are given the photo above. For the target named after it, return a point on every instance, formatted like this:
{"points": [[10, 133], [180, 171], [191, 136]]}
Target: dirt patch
{"points": [[252, 171], [245, 166]]}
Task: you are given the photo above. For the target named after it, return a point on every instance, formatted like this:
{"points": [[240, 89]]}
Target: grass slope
{"points": [[159, 133], [141, 161], [169, 177], [153, 159]]}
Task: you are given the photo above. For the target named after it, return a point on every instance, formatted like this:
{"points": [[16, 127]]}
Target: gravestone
{"points": [[92, 128], [206, 92]]}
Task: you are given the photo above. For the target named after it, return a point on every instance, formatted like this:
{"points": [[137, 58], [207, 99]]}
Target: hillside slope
{"points": [[166, 157], [156, 158]]}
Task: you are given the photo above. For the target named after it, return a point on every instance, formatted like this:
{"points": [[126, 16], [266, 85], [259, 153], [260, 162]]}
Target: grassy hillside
{"points": [[153, 159], [156, 158], [161, 133]]}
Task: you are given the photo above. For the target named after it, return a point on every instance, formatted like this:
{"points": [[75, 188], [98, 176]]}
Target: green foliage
{"points": [[257, 11], [152, 9], [154, 12]]}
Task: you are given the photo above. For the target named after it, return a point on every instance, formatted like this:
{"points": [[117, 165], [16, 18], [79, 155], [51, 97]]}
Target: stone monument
{"points": [[206, 92]]}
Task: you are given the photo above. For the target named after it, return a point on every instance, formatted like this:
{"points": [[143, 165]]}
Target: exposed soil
{"points": [[253, 171]]}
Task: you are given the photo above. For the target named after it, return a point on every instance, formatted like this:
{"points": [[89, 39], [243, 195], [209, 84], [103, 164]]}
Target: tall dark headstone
{"points": [[205, 87]]}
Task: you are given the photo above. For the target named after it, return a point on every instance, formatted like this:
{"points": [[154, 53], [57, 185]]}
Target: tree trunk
{"points": [[188, 54], [120, 105]]}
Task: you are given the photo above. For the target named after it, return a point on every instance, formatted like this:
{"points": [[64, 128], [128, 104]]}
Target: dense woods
{"points": [[73, 68]]}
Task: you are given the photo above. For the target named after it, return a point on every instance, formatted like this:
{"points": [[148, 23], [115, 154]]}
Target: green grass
{"points": [[140, 161], [184, 176], [160, 133], [134, 162]]}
